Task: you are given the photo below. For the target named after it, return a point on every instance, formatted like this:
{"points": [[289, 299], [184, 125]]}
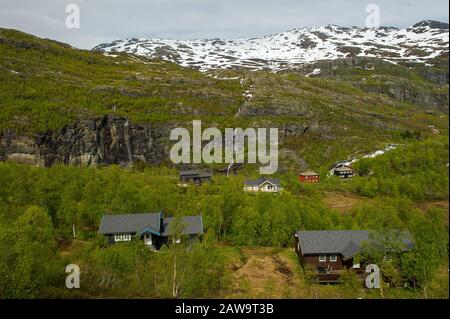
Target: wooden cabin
{"points": [[266, 185], [153, 228], [328, 253], [309, 177], [344, 172], [195, 176]]}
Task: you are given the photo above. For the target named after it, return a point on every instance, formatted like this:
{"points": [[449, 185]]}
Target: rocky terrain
{"points": [[101, 140]]}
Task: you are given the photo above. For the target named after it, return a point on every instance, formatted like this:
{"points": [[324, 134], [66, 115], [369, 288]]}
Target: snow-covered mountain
{"points": [[419, 43]]}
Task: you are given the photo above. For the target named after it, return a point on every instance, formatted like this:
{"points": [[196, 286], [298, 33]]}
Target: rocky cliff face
{"points": [[101, 140], [107, 140]]}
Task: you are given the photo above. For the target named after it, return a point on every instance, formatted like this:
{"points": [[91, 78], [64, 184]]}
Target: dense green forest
{"points": [[39, 206]]}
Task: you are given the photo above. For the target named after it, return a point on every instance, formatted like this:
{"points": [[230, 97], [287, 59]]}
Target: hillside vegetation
{"points": [[39, 207]]}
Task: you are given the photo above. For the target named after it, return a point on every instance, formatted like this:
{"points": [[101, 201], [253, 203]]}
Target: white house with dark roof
{"points": [[153, 228], [267, 185]]}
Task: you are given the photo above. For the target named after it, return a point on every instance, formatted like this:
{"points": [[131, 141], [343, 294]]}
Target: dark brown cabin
{"points": [[329, 253], [195, 176]]}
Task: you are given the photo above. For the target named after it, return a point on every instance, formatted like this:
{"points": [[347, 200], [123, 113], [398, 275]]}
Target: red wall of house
{"points": [[309, 179]]}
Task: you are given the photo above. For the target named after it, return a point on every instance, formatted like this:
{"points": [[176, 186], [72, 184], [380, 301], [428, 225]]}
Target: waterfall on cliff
{"points": [[127, 141]]}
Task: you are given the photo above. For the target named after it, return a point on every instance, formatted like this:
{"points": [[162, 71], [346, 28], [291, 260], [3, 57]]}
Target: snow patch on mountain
{"points": [[420, 43], [314, 72]]}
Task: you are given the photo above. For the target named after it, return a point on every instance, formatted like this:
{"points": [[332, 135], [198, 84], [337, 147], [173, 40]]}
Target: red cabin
{"points": [[309, 177]]}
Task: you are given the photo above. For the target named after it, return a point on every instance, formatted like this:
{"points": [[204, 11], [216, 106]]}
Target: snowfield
{"points": [[419, 43]]}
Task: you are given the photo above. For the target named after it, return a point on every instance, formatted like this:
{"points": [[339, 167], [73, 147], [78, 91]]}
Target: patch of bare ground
{"points": [[435, 204], [443, 204], [68, 247], [266, 273], [342, 202]]}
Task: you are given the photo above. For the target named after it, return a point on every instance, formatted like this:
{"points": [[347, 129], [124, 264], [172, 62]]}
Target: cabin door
{"points": [[148, 239]]}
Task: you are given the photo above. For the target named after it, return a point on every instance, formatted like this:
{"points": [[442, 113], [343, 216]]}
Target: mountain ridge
{"points": [[419, 43]]}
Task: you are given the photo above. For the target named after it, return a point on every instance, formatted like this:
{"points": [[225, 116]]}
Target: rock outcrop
{"points": [[101, 140], [109, 140]]}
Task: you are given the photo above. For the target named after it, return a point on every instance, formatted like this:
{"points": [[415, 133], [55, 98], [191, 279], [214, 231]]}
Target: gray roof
{"points": [[139, 223], [259, 181], [344, 169], [339, 163], [309, 173], [351, 249], [344, 242], [196, 173], [191, 225], [130, 223]]}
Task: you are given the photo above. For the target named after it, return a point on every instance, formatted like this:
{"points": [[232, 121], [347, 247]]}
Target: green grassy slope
{"points": [[45, 85]]}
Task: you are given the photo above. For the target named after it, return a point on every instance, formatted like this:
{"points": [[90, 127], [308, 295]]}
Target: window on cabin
{"points": [[118, 237], [126, 237], [333, 258], [322, 258]]}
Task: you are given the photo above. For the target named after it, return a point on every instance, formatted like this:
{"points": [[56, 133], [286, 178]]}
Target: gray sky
{"points": [[107, 20]]}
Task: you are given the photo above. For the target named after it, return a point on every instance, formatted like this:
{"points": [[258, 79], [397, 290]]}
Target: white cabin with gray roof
{"points": [[266, 185], [153, 228]]}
